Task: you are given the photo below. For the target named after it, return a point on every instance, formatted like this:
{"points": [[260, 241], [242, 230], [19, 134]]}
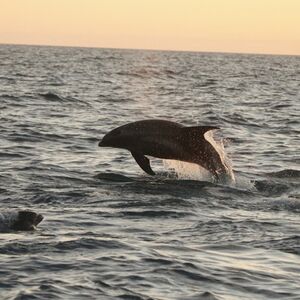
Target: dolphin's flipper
{"points": [[143, 162]]}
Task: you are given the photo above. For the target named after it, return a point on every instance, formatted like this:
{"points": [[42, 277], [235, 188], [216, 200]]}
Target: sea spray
{"points": [[191, 171], [218, 144]]}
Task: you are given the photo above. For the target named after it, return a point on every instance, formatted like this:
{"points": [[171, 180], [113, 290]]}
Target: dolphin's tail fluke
{"points": [[203, 151]]}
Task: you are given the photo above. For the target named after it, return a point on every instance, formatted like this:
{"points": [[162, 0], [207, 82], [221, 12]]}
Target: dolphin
{"points": [[22, 220], [166, 140], [27, 220]]}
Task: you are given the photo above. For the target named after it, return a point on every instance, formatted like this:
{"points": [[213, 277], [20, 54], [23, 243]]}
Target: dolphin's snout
{"points": [[107, 140], [102, 143]]}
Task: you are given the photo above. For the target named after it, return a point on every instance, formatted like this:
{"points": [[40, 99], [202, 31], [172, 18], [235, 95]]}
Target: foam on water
{"points": [[186, 170]]}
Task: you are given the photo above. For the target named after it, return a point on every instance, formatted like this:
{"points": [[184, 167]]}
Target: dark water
{"points": [[112, 232]]}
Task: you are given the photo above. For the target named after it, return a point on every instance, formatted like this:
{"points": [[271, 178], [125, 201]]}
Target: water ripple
{"points": [[112, 232]]}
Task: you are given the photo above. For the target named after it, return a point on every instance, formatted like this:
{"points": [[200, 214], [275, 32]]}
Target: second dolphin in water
{"points": [[22, 220], [166, 140]]}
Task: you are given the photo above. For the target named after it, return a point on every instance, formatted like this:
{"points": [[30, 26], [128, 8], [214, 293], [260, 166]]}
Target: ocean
{"points": [[110, 231]]}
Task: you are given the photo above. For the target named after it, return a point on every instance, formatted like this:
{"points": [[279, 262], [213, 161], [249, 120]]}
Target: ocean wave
{"points": [[149, 73], [10, 155], [9, 97], [271, 188], [155, 214], [288, 244], [14, 248], [286, 173], [126, 235], [90, 243], [113, 177], [52, 97]]}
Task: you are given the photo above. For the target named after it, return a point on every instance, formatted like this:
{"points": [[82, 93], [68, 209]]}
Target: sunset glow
{"points": [[256, 26]]}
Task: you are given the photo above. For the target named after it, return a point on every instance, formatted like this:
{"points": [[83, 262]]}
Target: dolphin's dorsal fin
{"points": [[199, 130], [143, 162]]}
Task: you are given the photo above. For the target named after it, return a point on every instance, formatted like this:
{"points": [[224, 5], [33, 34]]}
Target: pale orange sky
{"points": [[251, 26]]}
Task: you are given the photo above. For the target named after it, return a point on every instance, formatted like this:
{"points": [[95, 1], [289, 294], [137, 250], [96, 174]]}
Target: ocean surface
{"points": [[110, 231]]}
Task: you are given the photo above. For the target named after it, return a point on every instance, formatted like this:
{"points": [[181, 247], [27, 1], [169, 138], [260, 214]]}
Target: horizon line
{"points": [[146, 49]]}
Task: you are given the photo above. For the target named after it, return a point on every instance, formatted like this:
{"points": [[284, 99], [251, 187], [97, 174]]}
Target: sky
{"points": [[243, 26]]}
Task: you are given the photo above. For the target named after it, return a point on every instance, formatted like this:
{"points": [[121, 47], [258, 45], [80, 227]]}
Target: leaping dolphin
{"points": [[166, 140]]}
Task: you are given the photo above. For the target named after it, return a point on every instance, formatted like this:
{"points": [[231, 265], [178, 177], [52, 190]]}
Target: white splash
{"points": [[219, 147], [190, 171], [185, 170]]}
